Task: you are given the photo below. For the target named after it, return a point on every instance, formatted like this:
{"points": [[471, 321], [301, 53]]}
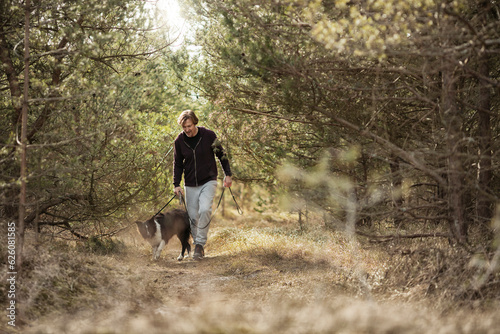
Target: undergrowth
{"points": [[102, 246], [436, 271]]}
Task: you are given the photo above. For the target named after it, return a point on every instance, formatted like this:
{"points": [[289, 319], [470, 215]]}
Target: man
{"points": [[195, 149]]}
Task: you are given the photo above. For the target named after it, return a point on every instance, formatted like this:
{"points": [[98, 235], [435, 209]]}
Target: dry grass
{"points": [[259, 276]]}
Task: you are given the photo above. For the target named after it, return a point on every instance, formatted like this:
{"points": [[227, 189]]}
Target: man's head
{"points": [[188, 121], [185, 115]]}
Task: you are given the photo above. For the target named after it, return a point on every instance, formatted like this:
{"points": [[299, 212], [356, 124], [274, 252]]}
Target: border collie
{"points": [[158, 230]]}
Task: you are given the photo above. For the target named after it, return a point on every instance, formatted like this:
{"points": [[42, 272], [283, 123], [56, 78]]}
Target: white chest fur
{"points": [[157, 242], [156, 239]]}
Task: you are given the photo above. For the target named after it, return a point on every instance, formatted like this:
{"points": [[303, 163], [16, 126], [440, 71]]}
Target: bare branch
{"points": [[390, 237]]}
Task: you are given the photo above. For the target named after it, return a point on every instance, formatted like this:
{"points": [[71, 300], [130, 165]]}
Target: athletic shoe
{"points": [[199, 252]]}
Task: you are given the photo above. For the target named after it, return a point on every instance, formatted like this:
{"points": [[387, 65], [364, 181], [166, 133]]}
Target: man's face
{"points": [[189, 128]]}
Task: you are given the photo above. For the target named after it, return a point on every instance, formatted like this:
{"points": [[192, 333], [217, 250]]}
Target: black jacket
{"points": [[198, 164]]}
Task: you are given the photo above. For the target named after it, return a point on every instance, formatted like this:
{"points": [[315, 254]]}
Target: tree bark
{"points": [[452, 122], [24, 131], [484, 206]]}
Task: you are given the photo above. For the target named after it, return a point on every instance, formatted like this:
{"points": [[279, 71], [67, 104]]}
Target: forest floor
{"points": [[258, 276]]}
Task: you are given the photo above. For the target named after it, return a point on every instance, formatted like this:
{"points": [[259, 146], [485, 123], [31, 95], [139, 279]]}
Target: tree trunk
{"points": [[24, 135], [484, 207], [397, 189], [452, 122]]}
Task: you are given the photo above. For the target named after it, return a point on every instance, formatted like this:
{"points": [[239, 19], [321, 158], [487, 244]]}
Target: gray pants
{"points": [[199, 202]]}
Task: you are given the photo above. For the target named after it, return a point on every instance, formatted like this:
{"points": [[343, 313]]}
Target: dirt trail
{"points": [[245, 292]]}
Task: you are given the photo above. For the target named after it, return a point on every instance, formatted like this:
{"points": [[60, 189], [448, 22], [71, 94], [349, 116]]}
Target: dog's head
{"points": [[142, 228], [147, 229]]}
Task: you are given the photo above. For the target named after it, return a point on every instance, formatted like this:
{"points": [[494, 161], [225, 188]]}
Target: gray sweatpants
{"points": [[199, 206]]}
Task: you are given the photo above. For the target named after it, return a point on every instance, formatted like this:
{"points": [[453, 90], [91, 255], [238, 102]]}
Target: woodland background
{"points": [[378, 118]]}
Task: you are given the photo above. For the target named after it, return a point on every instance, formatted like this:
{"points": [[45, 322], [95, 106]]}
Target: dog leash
{"points": [[234, 199], [165, 206]]}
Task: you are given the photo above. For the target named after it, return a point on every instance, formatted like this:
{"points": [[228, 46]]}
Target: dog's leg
{"points": [[181, 256], [154, 252], [159, 248], [184, 238]]}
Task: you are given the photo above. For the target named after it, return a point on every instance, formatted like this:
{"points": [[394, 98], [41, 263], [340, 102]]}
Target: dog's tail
{"points": [[187, 220]]}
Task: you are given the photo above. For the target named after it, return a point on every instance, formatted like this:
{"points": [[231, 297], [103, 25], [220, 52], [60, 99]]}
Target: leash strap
{"points": [[234, 199], [165, 206]]}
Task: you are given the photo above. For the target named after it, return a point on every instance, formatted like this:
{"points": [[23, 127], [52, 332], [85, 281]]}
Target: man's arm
{"points": [[222, 156]]}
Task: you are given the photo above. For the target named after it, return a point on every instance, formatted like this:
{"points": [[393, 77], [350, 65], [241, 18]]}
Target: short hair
{"points": [[185, 115]]}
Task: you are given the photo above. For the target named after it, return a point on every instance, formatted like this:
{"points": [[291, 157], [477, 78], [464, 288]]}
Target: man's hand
{"points": [[178, 190], [228, 181]]}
